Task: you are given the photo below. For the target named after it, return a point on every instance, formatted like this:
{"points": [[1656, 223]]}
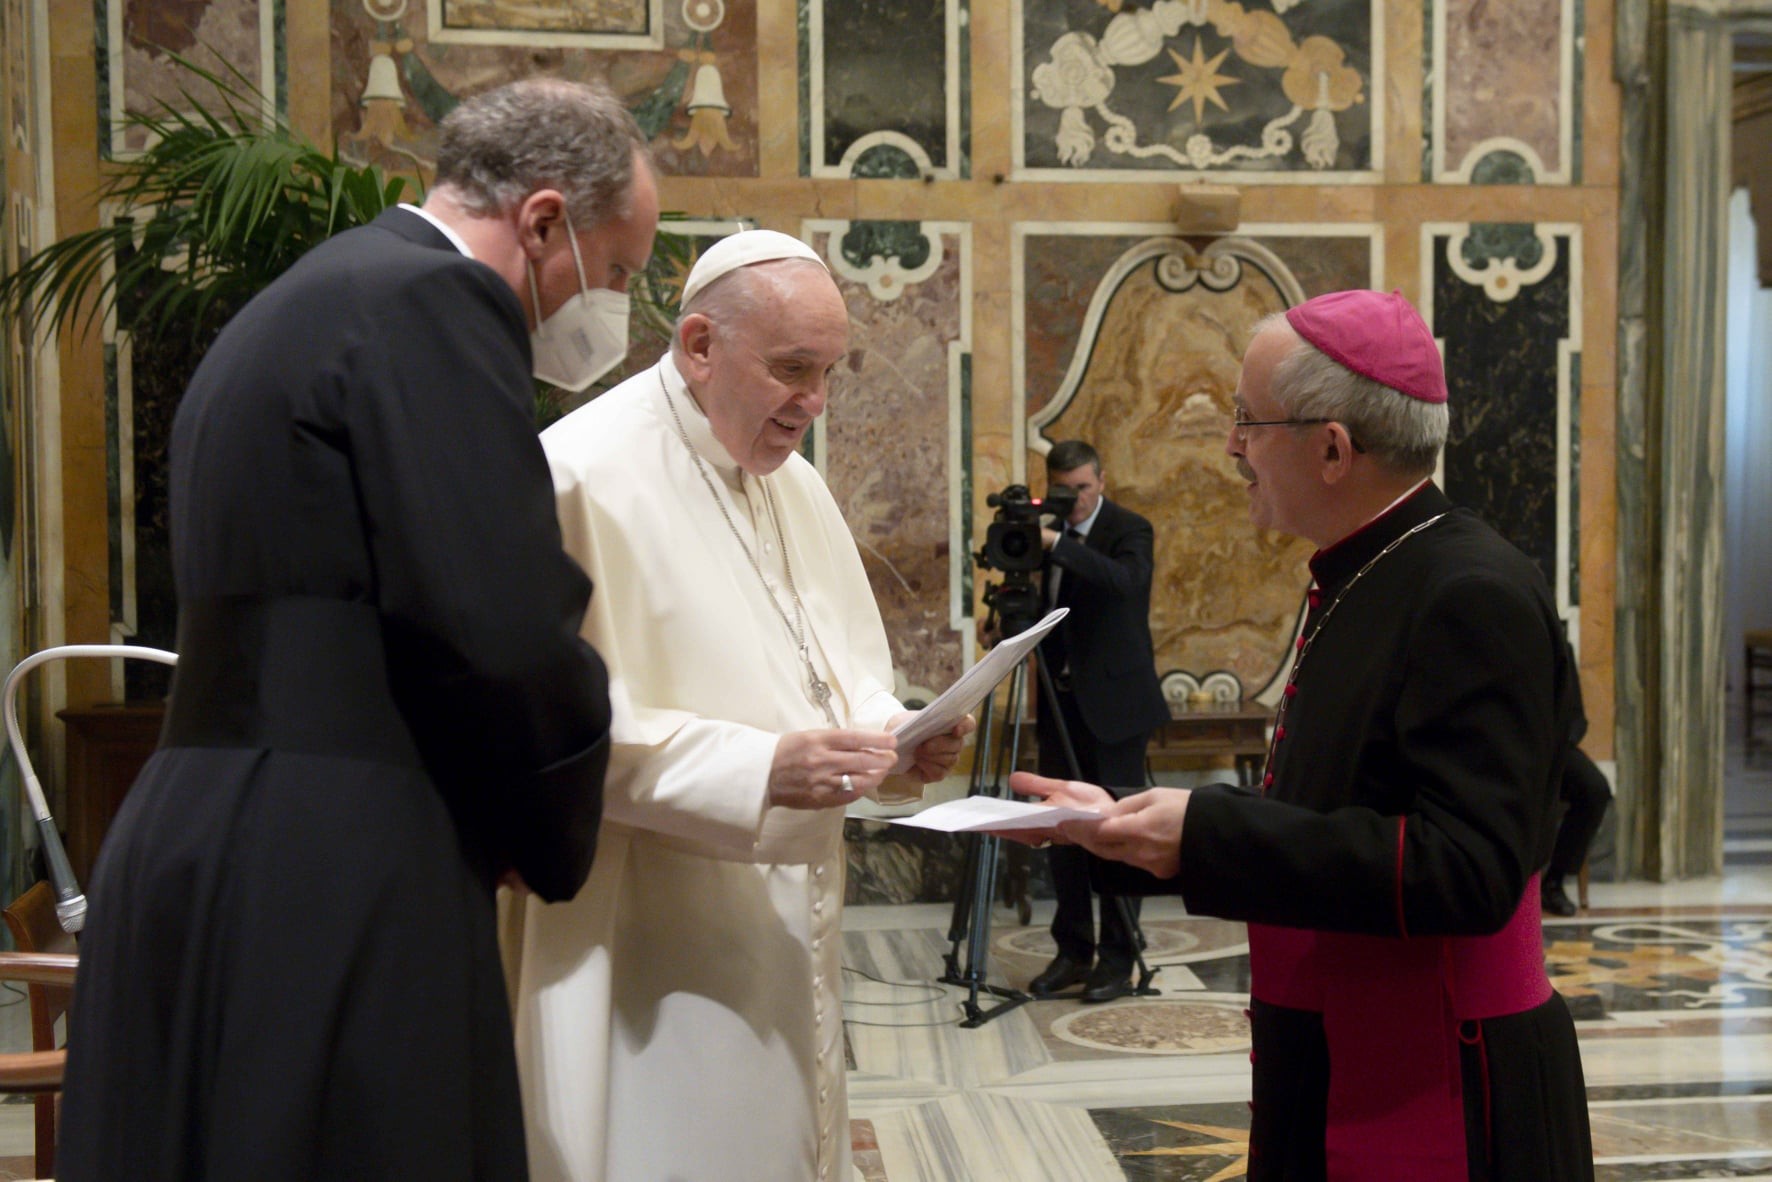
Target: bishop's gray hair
{"points": [[1403, 433], [542, 133]]}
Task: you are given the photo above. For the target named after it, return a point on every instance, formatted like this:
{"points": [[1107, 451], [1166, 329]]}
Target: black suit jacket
{"points": [[1107, 636]]}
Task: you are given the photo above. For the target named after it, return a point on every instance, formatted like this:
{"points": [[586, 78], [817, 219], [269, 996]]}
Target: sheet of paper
{"points": [[971, 687], [986, 814]]}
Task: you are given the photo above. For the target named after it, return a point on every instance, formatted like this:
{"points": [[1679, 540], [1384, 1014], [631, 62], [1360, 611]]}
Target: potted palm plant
{"points": [[225, 198]]}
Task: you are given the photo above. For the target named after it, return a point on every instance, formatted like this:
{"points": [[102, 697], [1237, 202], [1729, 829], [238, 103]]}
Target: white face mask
{"points": [[585, 337]]}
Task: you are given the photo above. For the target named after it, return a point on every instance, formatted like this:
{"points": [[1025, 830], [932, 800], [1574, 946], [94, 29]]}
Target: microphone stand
{"points": [[70, 907]]}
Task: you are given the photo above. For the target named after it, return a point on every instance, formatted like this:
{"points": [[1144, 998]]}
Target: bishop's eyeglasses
{"points": [[1241, 422]]}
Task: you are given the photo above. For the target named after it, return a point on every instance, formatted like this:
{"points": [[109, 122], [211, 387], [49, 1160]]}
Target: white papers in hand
{"points": [[988, 814], [959, 698]]}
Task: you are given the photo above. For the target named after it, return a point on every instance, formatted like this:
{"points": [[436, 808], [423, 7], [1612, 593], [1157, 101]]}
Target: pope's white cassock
{"points": [[681, 1018]]}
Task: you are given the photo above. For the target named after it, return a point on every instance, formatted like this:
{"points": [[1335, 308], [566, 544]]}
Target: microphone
{"points": [[70, 907]]}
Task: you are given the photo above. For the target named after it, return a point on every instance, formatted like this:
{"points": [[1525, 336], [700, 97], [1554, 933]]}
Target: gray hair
{"points": [[542, 133], [734, 296], [1403, 433]]}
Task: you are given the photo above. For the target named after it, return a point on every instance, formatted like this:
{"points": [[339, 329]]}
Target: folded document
{"points": [[987, 814], [969, 690]]}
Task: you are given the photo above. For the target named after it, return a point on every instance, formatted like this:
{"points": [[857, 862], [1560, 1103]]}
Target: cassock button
{"points": [[1292, 690], [1279, 733], [1300, 644], [1316, 597], [818, 872], [1267, 781], [818, 907]]}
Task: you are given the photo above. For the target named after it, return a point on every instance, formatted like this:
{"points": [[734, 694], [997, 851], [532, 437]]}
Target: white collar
{"points": [[447, 230], [1089, 521], [696, 424]]}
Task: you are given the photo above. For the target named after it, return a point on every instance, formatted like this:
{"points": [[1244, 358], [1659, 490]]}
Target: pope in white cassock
{"points": [[682, 1017]]}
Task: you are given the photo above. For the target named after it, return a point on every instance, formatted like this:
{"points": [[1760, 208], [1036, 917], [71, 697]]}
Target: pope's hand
{"points": [[935, 756], [828, 768]]}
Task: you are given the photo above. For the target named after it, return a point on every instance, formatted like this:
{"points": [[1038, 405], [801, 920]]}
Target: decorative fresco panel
{"points": [[1506, 301], [1141, 343], [137, 39], [692, 85], [608, 24], [15, 60], [1503, 92], [900, 394], [1271, 91], [884, 88]]}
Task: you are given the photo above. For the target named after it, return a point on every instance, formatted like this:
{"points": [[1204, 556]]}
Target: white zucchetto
{"points": [[742, 249]]}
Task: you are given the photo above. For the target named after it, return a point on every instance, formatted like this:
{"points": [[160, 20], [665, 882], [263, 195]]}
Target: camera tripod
{"points": [[971, 922]]}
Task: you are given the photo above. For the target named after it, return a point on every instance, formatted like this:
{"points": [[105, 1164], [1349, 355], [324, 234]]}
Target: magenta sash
{"points": [[1392, 1007]]}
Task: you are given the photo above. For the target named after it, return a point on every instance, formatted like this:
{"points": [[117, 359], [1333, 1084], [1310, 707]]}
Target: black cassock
{"points": [[382, 703], [1412, 796]]}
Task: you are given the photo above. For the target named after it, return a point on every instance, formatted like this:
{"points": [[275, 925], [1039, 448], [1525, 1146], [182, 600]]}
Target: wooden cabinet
{"points": [[107, 746], [1237, 729]]}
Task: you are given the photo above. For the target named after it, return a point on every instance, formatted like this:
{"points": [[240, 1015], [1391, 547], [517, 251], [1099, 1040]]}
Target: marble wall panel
{"points": [[888, 441], [884, 88], [1503, 92], [136, 38], [1140, 343], [1505, 303], [1189, 86], [692, 85]]}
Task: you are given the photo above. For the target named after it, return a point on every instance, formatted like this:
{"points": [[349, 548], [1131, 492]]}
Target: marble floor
{"points": [[1671, 987]]}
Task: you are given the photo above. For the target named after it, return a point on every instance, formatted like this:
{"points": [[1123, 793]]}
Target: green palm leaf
{"points": [[223, 200]]}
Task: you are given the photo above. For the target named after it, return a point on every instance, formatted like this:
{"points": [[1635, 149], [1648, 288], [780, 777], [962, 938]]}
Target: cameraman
{"points": [[1105, 675]]}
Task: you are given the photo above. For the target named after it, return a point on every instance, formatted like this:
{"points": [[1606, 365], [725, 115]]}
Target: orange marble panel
{"points": [[1156, 403]]}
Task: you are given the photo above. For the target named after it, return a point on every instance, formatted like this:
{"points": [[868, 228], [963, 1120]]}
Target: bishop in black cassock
{"points": [[1403, 1025]]}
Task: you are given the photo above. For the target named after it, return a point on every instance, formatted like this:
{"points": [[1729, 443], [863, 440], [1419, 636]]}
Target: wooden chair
{"points": [[35, 930]]}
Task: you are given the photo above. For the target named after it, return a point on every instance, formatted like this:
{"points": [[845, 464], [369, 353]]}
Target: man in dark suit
{"points": [[1099, 566], [1583, 788], [382, 705]]}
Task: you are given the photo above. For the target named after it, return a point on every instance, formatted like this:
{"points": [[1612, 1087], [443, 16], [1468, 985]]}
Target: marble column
{"points": [[1671, 445]]}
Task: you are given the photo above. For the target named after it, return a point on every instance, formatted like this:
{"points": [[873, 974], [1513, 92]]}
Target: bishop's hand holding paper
{"points": [[1143, 830]]}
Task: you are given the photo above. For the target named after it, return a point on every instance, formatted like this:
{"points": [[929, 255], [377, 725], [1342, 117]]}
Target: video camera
{"points": [[1012, 543]]}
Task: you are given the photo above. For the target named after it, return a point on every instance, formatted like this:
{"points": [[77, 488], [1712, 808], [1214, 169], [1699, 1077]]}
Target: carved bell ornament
{"points": [[708, 91], [384, 80], [707, 114]]}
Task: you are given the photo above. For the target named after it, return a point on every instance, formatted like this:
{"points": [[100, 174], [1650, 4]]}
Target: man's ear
{"points": [[540, 216], [1336, 454], [695, 339]]}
